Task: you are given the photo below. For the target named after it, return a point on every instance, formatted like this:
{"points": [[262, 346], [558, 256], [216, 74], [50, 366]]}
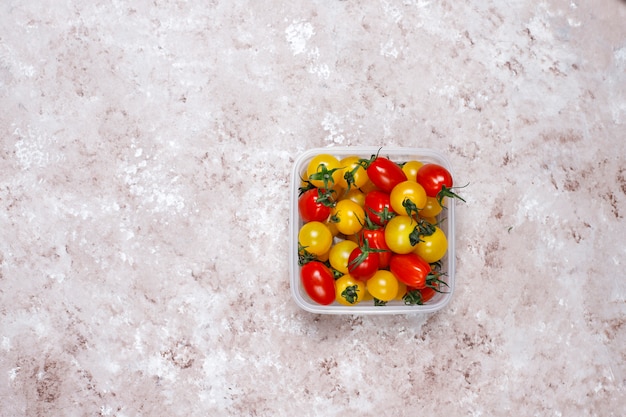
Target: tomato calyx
{"points": [[410, 207], [325, 175], [423, 228], [379, 303], [336, 274], [433, 281], [304, 256], [306, 187], [325, 197], [350, 294], [447, 192], [385, 215], [349, 176], [413, 297], [368, 224], [365, 163]]}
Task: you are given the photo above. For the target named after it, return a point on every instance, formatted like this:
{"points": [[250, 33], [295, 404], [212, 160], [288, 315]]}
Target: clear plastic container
{"points": [[301, 298]]}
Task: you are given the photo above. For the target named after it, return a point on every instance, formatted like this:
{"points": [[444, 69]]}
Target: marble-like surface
{"points": [[144, 163]]}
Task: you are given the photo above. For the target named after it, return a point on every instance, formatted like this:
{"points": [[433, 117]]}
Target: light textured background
{"points": [[144, 163]]}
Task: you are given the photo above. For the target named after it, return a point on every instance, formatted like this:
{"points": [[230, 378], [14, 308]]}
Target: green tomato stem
{"points": [[350, 294]]}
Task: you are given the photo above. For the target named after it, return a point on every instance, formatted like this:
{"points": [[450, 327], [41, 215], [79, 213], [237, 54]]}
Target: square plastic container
{"points": [[446, 218]]}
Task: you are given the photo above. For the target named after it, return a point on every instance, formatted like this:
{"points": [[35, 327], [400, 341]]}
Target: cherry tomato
{"points": [[407, 198], [410, 269], [427, 293], [398, 234], [312, 207], [323, 257], [348, 216], [385, 174], [324, 171], [375, 238], [432, 247], [362, 263], [355, 195], [419, 297], [367, 296], [332, 227], [315, 238], [410, 169], [383, 285], [353, 173], [349, 291], [318, 282], [432, 208], [437, 181], [401, 290], [340, 254], [368, 187], [378, 207]]}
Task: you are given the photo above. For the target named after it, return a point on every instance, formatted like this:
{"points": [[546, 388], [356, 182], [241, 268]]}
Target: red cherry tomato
{"points": [[318, 282], [432, 177], [362, 264], [376, 240], [437, 181], [378, 207], [385, 174], [427, 293], [421, 296], [311, 208], [410, 269]]}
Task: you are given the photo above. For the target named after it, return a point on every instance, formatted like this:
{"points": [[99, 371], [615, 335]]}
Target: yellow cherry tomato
{"points": [[432, 248], [356, 195], [332, 226], [383, 285], [398, 233], [324, 171], [410, 169], [348, 216], [432, 208], [401, 290], [353, 174], [315, 238], [407, 198], [324, 256], [339, 254], [367, 296], [349, 291]]}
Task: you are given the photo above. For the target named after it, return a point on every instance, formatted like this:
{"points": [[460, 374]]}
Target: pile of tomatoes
{"points": [[370, 230]]}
